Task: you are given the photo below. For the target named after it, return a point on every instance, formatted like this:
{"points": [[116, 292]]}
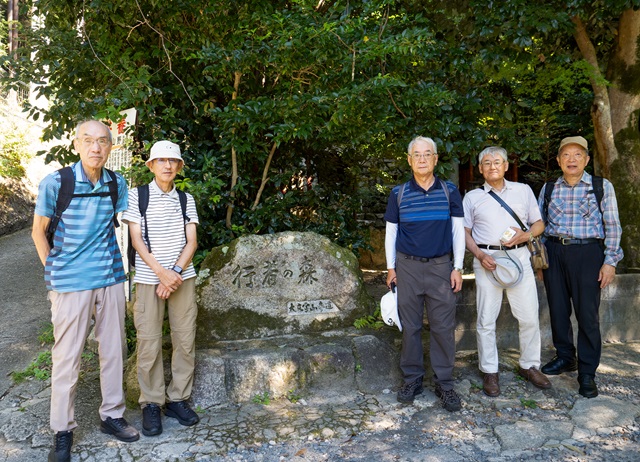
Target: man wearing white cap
{"points": [[164, 237], [583, 242], [502, 263]]}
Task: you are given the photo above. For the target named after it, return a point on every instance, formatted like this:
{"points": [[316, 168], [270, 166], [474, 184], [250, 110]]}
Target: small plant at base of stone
{"points": [[373, 321], [262, 398], [529, 403], [293, 396]]}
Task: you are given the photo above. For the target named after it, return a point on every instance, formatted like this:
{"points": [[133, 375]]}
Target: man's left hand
{"points": [[456, 281], [607, 273], [519, 238]]}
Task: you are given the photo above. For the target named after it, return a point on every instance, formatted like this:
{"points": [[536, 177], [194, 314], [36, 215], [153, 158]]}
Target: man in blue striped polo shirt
{"points": [[84, 275], [424, 228]]}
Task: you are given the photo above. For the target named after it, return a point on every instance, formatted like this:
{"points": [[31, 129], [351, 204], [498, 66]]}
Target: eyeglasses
{"points": [[172, 161], [427, 156], [103, 141], [495, 163], [574, 155]]}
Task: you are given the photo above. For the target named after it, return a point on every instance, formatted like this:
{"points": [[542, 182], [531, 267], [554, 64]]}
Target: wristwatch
{"points": [[177, 269], [459, 270]]}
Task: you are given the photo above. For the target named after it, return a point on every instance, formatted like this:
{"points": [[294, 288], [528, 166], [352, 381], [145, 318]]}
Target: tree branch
{"points": [[166, 52], [601, 109], [84, 32], [393, 101], [234, 156], [264, 176]]}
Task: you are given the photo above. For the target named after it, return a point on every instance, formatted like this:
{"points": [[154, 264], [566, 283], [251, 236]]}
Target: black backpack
{"points": [[67, 193], [598, 191], [143, 203]]}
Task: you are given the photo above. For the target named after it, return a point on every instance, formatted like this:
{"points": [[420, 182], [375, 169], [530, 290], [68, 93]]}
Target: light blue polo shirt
{"points": [[85, 252]]}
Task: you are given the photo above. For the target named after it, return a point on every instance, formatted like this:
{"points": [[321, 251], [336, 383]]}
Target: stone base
{"points": [[289, 366]]}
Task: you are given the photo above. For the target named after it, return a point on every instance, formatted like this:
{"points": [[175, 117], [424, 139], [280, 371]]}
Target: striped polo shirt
{"points": [[85, 252], [166, 230], [424, 218]]}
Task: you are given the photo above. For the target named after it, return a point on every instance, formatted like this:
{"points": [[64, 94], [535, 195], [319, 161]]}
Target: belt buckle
{"points": [[565, 240]]}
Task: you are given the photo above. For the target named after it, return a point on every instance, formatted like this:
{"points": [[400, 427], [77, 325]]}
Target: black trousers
{"points": [[572, 279]]}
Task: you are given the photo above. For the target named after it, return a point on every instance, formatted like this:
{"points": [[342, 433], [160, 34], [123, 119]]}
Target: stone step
{"points": [[286, 366]]}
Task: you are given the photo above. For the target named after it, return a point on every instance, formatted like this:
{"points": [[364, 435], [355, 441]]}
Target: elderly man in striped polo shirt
{"points": [[165, 243], [424, 230], [84, 275]]}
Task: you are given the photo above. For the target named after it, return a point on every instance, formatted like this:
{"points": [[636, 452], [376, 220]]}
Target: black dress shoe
{"points": [[120, 429], [559, 365], [588, 387], [151, 420], [61, 451]]}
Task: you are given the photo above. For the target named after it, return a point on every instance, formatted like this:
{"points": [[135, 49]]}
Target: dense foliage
{"points": [[292, 114]]}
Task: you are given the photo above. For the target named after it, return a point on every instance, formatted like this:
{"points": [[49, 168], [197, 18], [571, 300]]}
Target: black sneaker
{"points": [[120, 429], [449, 398], [180, 410], [61, 451], [410, 390], [151, 420]]}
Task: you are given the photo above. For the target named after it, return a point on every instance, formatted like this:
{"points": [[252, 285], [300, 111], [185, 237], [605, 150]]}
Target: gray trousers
{"points": [[420, 283]]}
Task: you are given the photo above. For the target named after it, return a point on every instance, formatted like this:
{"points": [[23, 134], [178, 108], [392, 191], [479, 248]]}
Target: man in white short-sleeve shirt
{"points": [[165, 242], [485, 221]]}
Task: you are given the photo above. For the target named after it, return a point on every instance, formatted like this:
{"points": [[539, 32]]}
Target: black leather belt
{"points": [[571, 241], [500, 247], [425, 259]]}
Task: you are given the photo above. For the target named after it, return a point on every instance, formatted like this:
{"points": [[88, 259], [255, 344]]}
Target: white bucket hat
{"points": [[508, 270], [389, 309], [164, 150]]}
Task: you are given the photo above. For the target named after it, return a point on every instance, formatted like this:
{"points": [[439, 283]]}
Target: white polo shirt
{"points": [[166, 230], [487, 219]]}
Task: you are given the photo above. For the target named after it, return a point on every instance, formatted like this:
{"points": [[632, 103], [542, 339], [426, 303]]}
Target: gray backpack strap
{"points": [[446, 191], [401, 193]]}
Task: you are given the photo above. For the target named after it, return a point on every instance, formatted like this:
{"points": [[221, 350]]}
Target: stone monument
{"points": [[285, 283]]}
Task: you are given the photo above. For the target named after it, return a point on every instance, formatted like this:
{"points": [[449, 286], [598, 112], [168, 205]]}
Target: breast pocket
{"points": [[588, 207], [555, 211]]}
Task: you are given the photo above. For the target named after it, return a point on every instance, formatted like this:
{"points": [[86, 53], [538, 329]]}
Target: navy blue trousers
{"points": [[571, 281]]}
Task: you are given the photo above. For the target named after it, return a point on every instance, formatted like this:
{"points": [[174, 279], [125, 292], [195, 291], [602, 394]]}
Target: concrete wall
{"points": [[619, 315]]}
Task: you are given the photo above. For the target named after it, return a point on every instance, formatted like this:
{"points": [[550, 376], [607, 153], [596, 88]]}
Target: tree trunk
{"points": [[234, 158], [615, 114], [624, 93]]}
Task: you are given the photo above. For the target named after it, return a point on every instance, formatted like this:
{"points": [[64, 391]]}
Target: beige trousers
{"points": [[71, 315], [148, 318]]}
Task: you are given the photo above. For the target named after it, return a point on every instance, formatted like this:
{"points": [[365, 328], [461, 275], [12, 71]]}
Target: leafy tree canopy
{"points": [[296, 114]]}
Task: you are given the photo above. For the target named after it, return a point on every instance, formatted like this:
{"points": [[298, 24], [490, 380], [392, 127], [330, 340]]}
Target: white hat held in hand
{"points": [[508, 270], [389, 309]]}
